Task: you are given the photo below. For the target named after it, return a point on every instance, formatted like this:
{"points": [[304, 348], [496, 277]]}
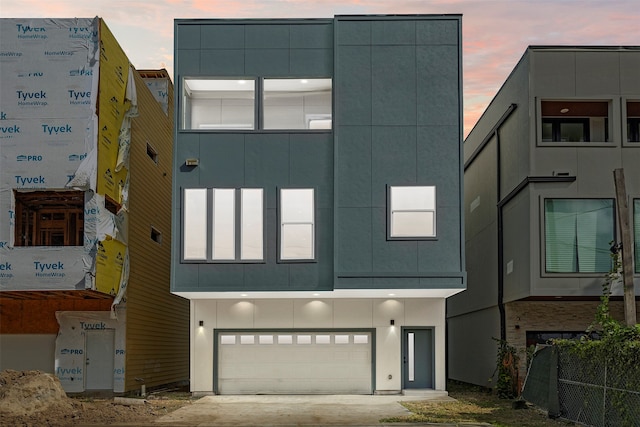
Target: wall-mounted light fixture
{"points": [[392, 322], [191, 162], [201, 323]]}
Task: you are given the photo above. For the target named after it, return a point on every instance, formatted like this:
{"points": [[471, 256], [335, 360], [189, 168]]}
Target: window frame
{"points": [[390, 211], [71, 225], [610, 132], [543, 237], [187, 112], [636, 234], [630, 137], [237, 229], [307, 116], [280, 211], [258, 107], [556, 128], [152, 153]]}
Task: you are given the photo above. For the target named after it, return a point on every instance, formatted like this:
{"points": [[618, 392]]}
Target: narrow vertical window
{"points": [[297, 224], [636, 232], [156, 235], [152, 153], [194, 234], [412, 212], [251, 229], [633, 121], [223, 237]]}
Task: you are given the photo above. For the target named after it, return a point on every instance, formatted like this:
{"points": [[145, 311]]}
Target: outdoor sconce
{"points": [[392, 322], [201, 323], [191, 162]]}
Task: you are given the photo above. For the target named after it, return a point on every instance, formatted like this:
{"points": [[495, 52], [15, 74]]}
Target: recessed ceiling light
{"points": [[564, 110], [392, 295], [304, 81], [316, 295], [243, 295], [241, 82]]}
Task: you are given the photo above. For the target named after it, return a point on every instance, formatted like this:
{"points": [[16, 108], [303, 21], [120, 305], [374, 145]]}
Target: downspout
{"points": [[503, 317]]}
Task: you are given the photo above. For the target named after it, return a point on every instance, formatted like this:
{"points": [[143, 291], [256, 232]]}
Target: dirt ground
{"points": [[34, 398]]}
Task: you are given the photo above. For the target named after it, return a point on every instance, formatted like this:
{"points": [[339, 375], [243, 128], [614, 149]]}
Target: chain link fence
{"points": [[583, 390]]}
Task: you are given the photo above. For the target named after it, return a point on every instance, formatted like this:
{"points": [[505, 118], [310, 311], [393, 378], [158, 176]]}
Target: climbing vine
{"points": [[607, 339], [507, 370], [611, 345]]}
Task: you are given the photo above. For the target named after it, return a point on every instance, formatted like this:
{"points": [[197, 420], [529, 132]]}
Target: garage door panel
{"points": [[297, 363]]}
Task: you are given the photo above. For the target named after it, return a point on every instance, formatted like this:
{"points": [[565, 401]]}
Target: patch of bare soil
{"points": [[34, 398]]}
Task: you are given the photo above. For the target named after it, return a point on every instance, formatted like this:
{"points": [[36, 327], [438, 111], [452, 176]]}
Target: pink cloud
{"points": [[495, 32]]}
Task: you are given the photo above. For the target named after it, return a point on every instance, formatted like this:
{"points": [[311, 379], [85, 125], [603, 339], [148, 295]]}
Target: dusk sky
{"points": [[495, 32]]}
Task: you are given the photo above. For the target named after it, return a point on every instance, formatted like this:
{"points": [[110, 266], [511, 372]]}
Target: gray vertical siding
{"points": [[397, 122], [396, 119]]}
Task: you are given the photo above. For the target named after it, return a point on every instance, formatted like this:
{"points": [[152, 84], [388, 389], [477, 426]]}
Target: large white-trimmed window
{"points": [[636, 232], [412, 212], [218, 104], [296, 103], [297, 224], [578, 235], [248, 104], [574, 121], [633, 121], [235, 218]]}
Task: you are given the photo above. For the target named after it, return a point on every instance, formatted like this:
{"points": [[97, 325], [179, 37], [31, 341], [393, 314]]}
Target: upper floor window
{"points": [[297, 104], [578, 233], [49, 218], [210, 104], [223, 224], [297, 224], [575, 121], [633, 121], [412, 212], [251, 104]]}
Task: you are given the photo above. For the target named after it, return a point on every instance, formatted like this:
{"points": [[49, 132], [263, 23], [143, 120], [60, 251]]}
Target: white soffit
{"points": [[336, 294]]}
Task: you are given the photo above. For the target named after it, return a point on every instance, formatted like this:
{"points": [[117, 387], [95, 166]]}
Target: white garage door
{"points": [[294, 363]]}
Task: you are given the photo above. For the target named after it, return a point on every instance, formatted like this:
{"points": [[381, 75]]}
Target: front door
{"points": [[99, 359], [417, 358]]}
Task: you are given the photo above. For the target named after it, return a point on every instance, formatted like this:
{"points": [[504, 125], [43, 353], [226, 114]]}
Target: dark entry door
{"points": [[417, 358]]}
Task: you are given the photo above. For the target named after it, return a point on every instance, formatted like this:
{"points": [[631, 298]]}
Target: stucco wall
{"points": [[326, 313]]}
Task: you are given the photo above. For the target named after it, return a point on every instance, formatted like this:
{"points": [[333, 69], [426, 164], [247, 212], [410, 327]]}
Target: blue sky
{"points": [[495, 32]]}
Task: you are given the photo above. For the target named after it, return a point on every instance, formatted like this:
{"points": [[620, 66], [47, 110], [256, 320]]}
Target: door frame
{"points": [[403, 366]]}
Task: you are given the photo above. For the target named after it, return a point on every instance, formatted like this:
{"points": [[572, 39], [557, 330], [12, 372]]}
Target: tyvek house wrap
{"points": [[52, 86], [73, 360]]}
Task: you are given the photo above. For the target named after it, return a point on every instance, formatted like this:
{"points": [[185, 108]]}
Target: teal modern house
{"points": [[317, 211]]}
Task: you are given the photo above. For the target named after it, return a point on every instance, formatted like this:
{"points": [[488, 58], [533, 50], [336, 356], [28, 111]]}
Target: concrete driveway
{"points": [[270, 410]]}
